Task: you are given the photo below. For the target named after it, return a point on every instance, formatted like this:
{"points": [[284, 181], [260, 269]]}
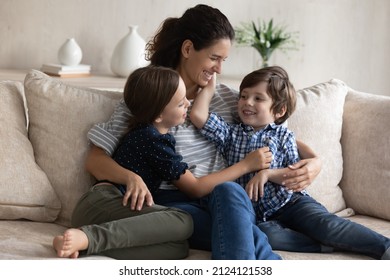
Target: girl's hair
{"points": [[279, 88], [202, 25], [147, 91]]}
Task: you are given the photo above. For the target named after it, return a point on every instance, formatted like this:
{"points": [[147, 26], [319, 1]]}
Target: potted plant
{"points": [[266, 37]]}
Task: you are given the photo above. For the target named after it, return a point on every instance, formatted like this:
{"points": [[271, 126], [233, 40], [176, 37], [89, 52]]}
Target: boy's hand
{"points": [[255, 187], [210, 87]]}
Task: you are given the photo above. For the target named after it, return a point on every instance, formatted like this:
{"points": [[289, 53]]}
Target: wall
{"points": [[348, 39]]}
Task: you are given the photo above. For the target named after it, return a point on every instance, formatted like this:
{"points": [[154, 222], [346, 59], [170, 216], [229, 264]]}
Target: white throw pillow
{"points": [[60, 117], [25, 191], [317, 122]]}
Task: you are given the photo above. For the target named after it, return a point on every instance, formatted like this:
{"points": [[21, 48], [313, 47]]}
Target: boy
{"points": [[267, 98]]}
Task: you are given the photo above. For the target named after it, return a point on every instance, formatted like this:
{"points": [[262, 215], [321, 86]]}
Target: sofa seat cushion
{"points": [[60, 117], [366, 149], [25, 191], [15, 244], [317, 122], [26, 240]]}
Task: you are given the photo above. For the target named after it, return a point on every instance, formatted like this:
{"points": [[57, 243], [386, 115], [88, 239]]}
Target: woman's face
{"points": [[198, 67]]}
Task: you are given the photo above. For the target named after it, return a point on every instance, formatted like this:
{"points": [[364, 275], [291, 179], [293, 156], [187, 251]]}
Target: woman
{"points": [[195, 45]]}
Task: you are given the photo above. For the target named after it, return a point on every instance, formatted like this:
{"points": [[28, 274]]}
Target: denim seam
{"points": [[220, 228]]}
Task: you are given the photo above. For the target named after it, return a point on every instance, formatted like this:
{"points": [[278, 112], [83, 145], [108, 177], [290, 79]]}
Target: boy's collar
{"points": [[248, 128]]}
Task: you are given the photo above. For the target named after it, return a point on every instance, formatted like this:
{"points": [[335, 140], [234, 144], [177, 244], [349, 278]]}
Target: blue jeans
{"points": [[224, 222], [304, 225]]}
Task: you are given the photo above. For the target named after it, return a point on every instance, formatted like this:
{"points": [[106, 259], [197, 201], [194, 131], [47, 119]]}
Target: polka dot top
{"points": [[150, 154]]}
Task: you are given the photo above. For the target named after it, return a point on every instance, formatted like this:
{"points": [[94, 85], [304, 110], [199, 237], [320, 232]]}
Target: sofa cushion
{"points": [[317, 122], [60, 117], [366, 148], [25, 191]]}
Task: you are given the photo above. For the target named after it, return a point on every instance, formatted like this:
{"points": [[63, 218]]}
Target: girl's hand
{"points": [[137, 192], [302, 174], [258, 159]]}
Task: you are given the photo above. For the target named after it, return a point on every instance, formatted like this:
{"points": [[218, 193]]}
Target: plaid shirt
{"points": [[236, 141]]}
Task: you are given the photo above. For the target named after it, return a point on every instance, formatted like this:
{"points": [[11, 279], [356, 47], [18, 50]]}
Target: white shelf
{"points": [[94, 81]]}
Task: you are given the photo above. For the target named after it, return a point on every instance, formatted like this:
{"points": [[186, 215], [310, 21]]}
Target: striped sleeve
{"points": [[107, 135]]}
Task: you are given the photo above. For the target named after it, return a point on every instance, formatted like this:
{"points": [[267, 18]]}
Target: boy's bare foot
{"points": [[70, 243]]}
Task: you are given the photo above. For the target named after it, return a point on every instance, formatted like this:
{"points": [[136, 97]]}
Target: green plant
{"points": [[266, 38]]}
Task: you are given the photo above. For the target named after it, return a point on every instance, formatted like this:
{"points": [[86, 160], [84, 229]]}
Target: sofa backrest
{"points": [[366, 152], [60, 116], [25, 191], [317, 122]]}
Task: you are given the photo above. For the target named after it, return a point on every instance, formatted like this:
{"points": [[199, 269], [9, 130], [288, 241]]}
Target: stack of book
{"points": [[66, 71]]}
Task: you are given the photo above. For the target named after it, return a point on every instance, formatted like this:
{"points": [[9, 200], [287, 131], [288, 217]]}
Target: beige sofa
{"points": [[43, 127]]}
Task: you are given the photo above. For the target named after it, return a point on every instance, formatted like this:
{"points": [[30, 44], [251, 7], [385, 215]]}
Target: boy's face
{"points": [[254, 106]]}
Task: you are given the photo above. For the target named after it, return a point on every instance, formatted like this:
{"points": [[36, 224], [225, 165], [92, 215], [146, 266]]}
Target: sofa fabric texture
{"points": [[60, 117], [318, 123], [44, 124], [25, 191], [366, 151]]}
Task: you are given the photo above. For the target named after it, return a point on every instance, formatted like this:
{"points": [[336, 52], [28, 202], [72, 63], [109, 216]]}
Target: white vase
{"points": [[70, 53], [129, 53]]}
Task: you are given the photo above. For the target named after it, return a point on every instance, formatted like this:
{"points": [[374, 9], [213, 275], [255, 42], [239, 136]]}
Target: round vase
{"points": [[70, 53], [129, 53]]}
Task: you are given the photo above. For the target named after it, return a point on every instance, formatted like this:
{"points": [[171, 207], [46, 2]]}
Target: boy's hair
{"points": [[147, 91], [279, 88], [202, 25]]}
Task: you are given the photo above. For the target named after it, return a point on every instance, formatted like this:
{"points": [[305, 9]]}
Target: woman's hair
{"points": [[147, 91], [279, 88], [202, 25]]}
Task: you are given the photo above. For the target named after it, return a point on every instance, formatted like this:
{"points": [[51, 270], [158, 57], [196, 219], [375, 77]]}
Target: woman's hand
{"points": [[137, 192], [258, 159], [302, 174], [103, 167]]}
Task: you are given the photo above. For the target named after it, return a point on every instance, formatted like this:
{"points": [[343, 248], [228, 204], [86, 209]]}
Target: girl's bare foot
{"points": [[70, 243]]}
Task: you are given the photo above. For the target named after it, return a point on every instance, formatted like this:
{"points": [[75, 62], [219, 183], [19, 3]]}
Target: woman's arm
{"points": [[198, 187], [103, 167], [301, 174], [255, 187]]}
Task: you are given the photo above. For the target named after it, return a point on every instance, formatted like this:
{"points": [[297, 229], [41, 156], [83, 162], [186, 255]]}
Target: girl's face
{"points": [[175, 112], [254, 106], [198, 67]]}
